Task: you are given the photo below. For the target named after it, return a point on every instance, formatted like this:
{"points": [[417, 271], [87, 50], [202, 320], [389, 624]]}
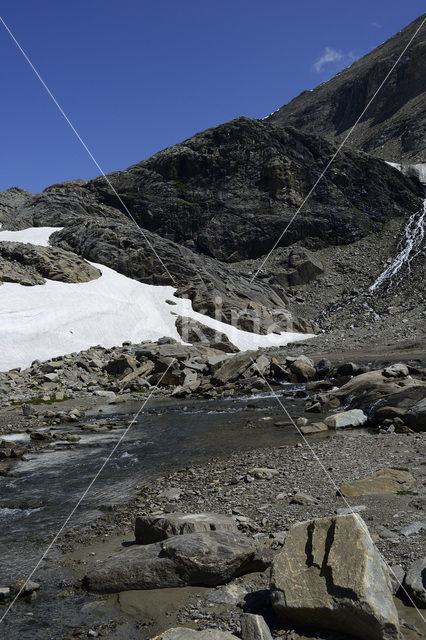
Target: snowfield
{"points": [[44, 321]]}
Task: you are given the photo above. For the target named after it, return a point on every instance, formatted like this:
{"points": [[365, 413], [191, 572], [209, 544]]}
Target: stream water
{"points": [[36, 502], [48, 484]]}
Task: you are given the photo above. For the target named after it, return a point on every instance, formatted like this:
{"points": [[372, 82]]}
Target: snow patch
{"points": [[56, 318], [32, 235]]}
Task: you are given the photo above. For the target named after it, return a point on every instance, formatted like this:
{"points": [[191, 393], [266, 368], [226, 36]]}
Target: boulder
{"points": [[382, 482], [397, 370], [194, 559], [234, 367], [323, 368], [183, 633], [149, 529], [303, 370], [353, 418], [415, 582], [254, 627], [347, 369], [330, 575], [121, 366], [415, 417]]}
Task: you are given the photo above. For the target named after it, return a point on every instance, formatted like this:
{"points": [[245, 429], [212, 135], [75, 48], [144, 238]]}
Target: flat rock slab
{"points": [[353, 418], [314, 427], [195, 559], [379, 483], [234, 367], [330, 575], [183, 633], [149, 529]]}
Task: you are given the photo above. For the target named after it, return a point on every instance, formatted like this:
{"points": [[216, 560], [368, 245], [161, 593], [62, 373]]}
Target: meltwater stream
{"points": [[35, 503], [168, 437]]}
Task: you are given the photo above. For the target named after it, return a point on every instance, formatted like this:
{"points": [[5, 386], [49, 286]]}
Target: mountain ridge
{"points": [[392, 126]]}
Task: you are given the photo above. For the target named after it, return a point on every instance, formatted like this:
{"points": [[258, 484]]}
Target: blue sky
{"points": [[135, 76]]}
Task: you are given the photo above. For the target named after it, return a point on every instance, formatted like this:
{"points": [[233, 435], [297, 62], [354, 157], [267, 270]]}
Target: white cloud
{"points": [[329, 55], [375, 25]]}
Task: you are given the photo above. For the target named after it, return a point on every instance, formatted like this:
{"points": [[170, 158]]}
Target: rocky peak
{"points": [[393, 127]]}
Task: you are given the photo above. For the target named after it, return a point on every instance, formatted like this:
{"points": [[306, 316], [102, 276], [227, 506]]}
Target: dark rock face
{"points": [[393, 127], [230, 192], [28, 265], [215, 202]]}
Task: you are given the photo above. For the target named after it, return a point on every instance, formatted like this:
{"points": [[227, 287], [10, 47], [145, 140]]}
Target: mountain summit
{"points": [[393, 127]]}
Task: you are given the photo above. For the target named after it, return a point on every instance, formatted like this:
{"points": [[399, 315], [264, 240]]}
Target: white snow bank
{"points": [[56, 318], [33, 235]]}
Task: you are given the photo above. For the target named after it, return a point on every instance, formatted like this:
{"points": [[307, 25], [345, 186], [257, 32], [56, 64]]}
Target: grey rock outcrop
{"points": [[29, 265], [330, 575]]}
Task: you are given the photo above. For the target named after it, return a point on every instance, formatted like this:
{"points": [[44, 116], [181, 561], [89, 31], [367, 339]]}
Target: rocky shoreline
{"points": [[265, 492]]}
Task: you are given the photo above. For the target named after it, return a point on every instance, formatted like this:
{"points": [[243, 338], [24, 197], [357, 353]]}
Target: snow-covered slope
{"points": [[56, 318]]}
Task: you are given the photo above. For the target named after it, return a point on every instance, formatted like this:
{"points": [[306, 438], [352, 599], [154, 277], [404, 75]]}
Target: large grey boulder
{"points": [[149, 529], [304, 371], [195, 559], [330, 575], [234, 367], [415, 582], [184, 633]]}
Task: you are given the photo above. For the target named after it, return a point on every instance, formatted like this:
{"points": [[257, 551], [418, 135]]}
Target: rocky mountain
{"points": [[206, 212], [394, 125]]}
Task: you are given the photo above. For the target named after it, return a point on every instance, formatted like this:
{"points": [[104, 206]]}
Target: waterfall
{"points": [[412, 243]]}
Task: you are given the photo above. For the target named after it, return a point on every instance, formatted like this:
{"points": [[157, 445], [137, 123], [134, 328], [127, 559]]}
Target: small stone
{"points": [[344, 511], [4, 593], [303, 499], [411, 529], [263, 473]]}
